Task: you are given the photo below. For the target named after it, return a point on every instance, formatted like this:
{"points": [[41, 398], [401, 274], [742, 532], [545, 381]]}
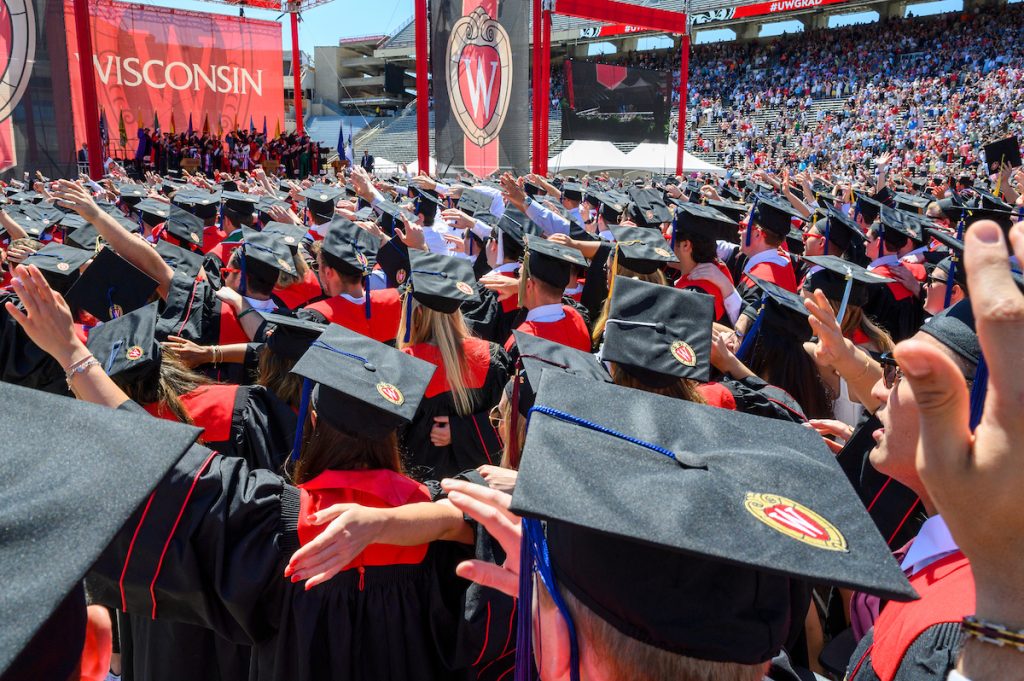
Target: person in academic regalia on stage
{"points": [[451, 431], [347, 257], [211, 545]]}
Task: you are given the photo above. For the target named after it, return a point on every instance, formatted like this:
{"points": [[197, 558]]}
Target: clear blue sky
{"points": [[322, 25]]}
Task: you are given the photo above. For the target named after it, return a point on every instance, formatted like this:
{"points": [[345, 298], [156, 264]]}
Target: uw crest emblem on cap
{"points": [[63, 266], [684, 354], [464, 287], [663, 252], [479, 74], [134, 353], [391, 393], [795, 520], [400, 276]]}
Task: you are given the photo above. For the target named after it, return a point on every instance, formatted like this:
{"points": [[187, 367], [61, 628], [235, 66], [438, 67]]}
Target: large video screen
{"points": [[615, 103]]}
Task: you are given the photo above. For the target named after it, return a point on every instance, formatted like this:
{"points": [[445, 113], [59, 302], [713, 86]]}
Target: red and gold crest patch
{"points": [[134, 353], [391, 393], [684, 354], [464, 288], [795, 520]]}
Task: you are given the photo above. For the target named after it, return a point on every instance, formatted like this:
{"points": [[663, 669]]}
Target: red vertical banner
{"points": [[684, 79], [152, 60], [297, 75]]}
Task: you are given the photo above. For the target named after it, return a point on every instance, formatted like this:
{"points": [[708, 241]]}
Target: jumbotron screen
{"points": [[615, 103]]}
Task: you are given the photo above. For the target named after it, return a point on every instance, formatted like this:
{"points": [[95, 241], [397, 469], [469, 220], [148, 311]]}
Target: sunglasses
{"points": [[891, 372], [932, 281], [495, 417]]}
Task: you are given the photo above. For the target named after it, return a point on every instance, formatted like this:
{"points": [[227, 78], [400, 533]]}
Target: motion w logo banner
{"points": [[480, 84]]}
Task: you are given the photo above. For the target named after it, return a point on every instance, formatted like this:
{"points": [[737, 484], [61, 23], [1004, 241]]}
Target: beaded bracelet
{"points": [[989, 632], [80, 367], [245, 312]]}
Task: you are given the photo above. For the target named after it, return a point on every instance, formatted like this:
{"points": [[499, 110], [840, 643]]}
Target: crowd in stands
{"points": [[941, 88]]}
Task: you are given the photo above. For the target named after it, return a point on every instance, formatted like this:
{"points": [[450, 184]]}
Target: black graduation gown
{"points": [[210, 549], [22, 362], [488, 319], [896, 310], [755, 396], [474, 441], [260, 432]]}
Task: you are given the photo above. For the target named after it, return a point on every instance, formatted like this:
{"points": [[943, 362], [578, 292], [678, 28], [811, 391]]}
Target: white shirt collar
{"points": [[546, 313], [771, 255], [352, 299], [891, 259], [506, 267], [933, 542], [261, 305]]}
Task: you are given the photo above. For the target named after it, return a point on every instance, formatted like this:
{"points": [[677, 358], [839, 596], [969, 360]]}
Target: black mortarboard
{"points": [[86, 236], [1003, 152], [612, 206], [181, 259], [573, 191], [33, 226], [185, 226], [441, 282], [641, 249], [867, 208], [513, 227], [364, 388], [132, 193], [237, 203], [472, 202], [954, 328], [731, 209], [907, 224], [537, 355], [228, 186], [425, 201], [349, 248], [110, 287], [550, 262], [659, 334], [390, 216], [59, 264], [647, 207], [153, 212], [393, 258], [72, 221], [694, 219], [910, 202], [290, 337], [833, 275], [837, 228], [783, 314], [201, 204], [287, 232], [773, 214], [709, 523], [126, 347], [531, 189], [321, 200], [55, 523], [268, 203]]}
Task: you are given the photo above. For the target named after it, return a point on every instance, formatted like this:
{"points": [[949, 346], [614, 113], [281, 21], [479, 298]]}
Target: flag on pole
{"points": [[252, 126], [264, 127], [156, 123], [342, 154], [122, 130], [188, 132], [277, 130], [173, 131], [206, 124], [104, 133]]}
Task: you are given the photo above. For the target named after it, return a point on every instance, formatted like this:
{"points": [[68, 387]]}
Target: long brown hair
{"points": [[618, 269], [174, 380], [683, 389], [856, 319], [325, 448], [284, 280], [448, 332], [275, 374]]}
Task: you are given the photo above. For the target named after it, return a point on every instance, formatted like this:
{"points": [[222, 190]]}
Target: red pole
{"points": [[422, 89], [297, 74], [545, 79], [684, 77], [83, 31], [538, 108]]}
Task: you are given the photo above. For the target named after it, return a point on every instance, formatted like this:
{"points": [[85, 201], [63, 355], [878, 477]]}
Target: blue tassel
{"points": [[828, 230], [366, 291], [978, 392], [748, 341], [220, 218], [307, 392], [408, 317], [750, 221], [672, 240], [241, 266], [953, 260]]}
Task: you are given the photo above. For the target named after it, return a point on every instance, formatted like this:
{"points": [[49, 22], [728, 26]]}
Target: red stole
{"points": [[898, 290], [211, 407], [570, 330], [386, 314], [230, 328], [717, 395], [781, 275], [301, 292], [373, 488]]}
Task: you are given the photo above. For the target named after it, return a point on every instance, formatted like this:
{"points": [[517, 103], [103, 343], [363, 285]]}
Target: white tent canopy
{"points": [[587, 156], [661, 158]]}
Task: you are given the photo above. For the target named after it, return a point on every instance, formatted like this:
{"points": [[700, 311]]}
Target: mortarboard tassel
{"points": [[748, 341], [846, 298], [828, 230], [978, 392], [953, 261], [220, 218], [750, 221], [675, 225], [114, 310], [307, 392], [408, 317], [366, 292], [241, 266]]}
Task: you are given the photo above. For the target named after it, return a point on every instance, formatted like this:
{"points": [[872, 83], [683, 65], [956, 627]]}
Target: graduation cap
{"points": [[290, 337], [265, 255], [110, 287], [694, 219], [180, 259], [153, 212], [474, 201], [362, 387], [201, 204], [228, 186], [72, 221], [390, 216], [321, 200], [126, 347], [531, 189], [659, 334], [841, 280], [866, 207], [425, 201], [782, 313], [641, 249], [537, 355], [718, 522], [838, 229], [731, 209], [647, 207], [237, 203], [550, 262], [1004, 152], [45, 214], [59, 264], [611, 206], [268, 203], [52, 539], [572, 191], [349, 248], [287, 232], [910, 202], [440, 282], [34, 227], [393, 258], [185, 226], [901, 222], [513, 227], [772, 214], [132, 194]]}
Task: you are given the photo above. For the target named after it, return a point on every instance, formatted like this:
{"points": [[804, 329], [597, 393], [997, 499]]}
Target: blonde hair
{"points": [[856, 319], [447, 331], [285, 280]]}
